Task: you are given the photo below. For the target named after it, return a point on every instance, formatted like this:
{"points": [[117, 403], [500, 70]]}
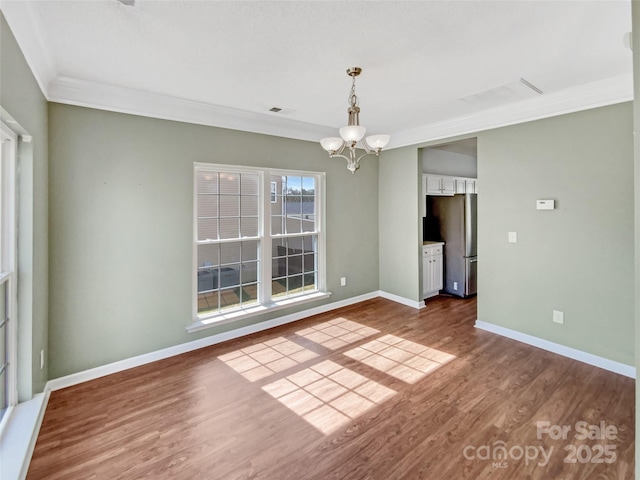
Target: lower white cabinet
{"points": [[432, 271]]}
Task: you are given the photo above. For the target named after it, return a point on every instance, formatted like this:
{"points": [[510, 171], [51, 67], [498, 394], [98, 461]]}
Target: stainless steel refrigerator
{"points": [[453, 220]]}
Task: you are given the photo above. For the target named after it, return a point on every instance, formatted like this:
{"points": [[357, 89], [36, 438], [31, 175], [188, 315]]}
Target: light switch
{"points": [[513, 237]]}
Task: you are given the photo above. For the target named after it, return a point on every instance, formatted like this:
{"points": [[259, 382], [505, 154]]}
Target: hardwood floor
{"points": [[372, 391]]}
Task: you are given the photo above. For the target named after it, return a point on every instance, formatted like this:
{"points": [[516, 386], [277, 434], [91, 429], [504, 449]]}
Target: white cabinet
{"points": [[439, 185], [432, 281], [443, 185], [466, 185]]}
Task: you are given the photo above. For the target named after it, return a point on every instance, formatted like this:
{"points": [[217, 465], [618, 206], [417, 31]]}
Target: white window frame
{"points": [[265, 300], [9, 266]]}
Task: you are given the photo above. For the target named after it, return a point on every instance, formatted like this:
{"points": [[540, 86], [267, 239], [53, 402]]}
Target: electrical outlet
{"points": [[558, 317], [343, 281], [41, 359], [513, 237], [455, 285]]}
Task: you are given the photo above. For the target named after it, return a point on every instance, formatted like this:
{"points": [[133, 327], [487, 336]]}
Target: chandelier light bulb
{"points": [[331, 144], [352, 133], [377, 142]]}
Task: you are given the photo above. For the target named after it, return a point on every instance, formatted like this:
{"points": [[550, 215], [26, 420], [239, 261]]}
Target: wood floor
{"points": [[372, 391]]}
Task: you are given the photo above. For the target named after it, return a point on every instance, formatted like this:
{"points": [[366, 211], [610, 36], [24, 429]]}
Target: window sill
{"points": [[236, 315]]}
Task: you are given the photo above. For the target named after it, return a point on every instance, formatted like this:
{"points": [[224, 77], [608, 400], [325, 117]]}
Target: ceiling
{"points": [[226, 63]]}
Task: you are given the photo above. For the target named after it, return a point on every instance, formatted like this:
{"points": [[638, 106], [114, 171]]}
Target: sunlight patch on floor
{"points": [[328, 395], [403, 359], [337, 333], [266, 358]]}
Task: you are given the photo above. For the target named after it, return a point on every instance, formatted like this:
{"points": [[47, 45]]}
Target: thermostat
{"points": [[546, 204]]}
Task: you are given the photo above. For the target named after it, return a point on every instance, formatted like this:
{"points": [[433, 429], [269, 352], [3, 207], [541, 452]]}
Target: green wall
{"points": [[121, 222], [21, 98], [577, 259], [400, 231]]}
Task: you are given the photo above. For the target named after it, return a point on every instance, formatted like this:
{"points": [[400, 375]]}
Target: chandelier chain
{"points": [[353, 98]]}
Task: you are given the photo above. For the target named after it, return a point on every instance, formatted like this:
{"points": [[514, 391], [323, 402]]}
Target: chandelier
{"points": [[353, 133]]}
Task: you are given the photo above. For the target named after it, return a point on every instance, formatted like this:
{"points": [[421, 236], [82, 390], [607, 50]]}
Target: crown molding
{"points": [[125, 100], [138, 102], [583, 97]]}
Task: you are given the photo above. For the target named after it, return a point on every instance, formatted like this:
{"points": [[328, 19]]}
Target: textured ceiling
{"points": [[419, 58]]}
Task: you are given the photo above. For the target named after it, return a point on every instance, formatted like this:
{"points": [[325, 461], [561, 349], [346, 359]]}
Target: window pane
{"points": [[309, 223], [249, 272], [279, 288], [279, 267], [207, 182], [249, 227], [207, 279], [295, 245], [249, 251], [207, 206], [230, 253], [293, 224], [249, 183], [229, 298], [208, 302], [295, 284], [277, 206], [277, 225], [293, 265], [308, 186], [309, 281], [229, 228], [309, 262], [229, 206], [294, 206], [249, 294], [249, 206], [208, 255], [229, 183], [208, 229], [293, 185], [229, 276], [310, 243]]}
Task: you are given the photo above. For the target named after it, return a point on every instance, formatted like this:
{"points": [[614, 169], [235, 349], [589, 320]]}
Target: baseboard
{"points": [[402, 300], [119, 366], [19, 439], [595, 360]]}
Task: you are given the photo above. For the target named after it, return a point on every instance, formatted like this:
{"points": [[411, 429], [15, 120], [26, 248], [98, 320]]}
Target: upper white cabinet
{"points": [[439, 185], [443, 185]]}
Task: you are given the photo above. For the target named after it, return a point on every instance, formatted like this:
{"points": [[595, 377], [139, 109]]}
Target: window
{"points": [[258, 241], [274, 187], [8, 327]]}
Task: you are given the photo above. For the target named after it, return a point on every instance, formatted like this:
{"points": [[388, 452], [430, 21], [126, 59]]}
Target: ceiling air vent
{"points": [[284, 111], [511, 92]]}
